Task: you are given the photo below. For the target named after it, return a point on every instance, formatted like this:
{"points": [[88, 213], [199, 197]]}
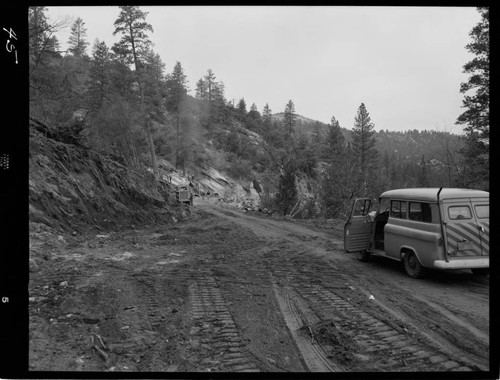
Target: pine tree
{"points": [[152, 98], [39, 33], [338, 180], [476, 117], [363, 145], [254, 113], [335, 142], [131, 24], [154, 87], [201, 90], [218, 108], [209, 80], [218, 89], [177, 92], [289, 118], [242, 106], [287, 194], [77, 39], [133, 47], [99, 80], [266, 116], [48, 82], [317, 137], [304, 154], [177, 88]]}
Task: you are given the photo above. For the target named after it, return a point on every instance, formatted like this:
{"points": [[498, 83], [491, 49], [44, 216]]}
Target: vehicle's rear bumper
{"points": [[483, 262]]}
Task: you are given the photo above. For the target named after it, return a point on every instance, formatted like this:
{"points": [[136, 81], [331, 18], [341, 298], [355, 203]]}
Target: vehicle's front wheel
{"points": [[412, 266], [481, 271], [363, 255]]}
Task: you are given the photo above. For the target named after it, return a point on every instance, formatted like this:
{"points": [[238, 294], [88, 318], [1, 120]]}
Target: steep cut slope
{"points": [[73, 188]]}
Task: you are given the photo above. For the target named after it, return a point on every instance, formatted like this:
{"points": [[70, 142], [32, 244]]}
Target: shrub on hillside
{"points": [[239, 169]]}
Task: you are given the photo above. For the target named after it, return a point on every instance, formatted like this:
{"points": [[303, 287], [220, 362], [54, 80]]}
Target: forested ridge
{"points": [[122, 101]]}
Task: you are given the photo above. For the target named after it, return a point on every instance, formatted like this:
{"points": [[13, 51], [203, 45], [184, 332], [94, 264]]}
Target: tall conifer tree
{"points": [[289, 118], [99, 81], [78, 38], [363, 145], [134, 48], [476, 117], [177, 92]]}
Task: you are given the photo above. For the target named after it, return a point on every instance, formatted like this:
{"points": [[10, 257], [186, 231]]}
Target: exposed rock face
{"points": [[72, 187]]}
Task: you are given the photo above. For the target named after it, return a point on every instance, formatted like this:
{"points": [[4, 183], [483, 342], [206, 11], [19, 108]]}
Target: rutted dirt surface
{"points": [[233, 292]]}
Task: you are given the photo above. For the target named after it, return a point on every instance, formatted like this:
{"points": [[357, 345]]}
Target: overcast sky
{"points": [[404, 63]]}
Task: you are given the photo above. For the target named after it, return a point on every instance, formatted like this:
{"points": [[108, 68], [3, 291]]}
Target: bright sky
{"points": [[404, 63]]}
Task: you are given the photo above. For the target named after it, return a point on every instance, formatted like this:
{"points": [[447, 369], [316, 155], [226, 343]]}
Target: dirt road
{"points": [[228, 291]]}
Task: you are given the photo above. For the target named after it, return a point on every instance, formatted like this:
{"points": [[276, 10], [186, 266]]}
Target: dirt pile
{"points": [[73, 188]]}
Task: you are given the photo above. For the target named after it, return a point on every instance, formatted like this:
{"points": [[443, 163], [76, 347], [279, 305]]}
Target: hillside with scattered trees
{"points": [[122, 102]]}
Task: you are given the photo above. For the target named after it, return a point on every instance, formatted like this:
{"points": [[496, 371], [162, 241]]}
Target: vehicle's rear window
{"points": [[420, 212], [459, 212], [482, 211], [398, 209]]}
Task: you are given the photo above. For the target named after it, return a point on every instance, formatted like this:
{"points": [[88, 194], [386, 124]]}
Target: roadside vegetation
{"points": [[122, 102]]}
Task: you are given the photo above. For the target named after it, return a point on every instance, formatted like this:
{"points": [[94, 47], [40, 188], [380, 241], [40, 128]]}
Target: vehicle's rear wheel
{"points": [[481, 271], [412, 266], [363, 255]]}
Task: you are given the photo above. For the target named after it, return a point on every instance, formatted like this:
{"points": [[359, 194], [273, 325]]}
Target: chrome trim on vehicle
{"points": [[463, 264]]}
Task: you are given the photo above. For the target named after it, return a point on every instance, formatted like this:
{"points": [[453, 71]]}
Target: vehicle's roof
{"points": [[430, 193]]}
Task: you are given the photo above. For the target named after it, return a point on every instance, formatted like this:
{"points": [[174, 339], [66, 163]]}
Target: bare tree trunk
{"points": [[177, 141], [149, 137]]}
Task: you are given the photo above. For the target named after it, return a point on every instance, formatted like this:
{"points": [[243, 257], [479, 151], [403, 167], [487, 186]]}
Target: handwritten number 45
{"points": [[9, 46]]}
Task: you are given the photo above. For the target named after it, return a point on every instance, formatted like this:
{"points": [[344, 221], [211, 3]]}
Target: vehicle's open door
{"points": [[358, 229]]}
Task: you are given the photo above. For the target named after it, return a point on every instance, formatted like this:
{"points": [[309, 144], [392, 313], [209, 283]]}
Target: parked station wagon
{"points": [[440, 228]]}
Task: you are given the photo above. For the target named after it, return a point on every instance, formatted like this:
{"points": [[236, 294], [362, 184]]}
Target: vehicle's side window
{"points": [[420, 212], [482, 211], [398, 209], [459, 212]]}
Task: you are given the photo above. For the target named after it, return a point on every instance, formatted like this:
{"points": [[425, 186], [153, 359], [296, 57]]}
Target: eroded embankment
{"points": [[72, 187]]}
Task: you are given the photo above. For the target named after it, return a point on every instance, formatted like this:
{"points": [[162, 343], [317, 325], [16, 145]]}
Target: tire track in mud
{"points": [[374, 344], [451, 314], [155, 306], [296, 316], [444, 321], [370, 343], [214, 328], [335, 331]]}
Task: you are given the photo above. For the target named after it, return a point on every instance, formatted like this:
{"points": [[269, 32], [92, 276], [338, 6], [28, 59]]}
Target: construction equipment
{"points": [[184, 195]]}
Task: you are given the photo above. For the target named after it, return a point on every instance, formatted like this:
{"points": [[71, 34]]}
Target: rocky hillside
{"points": [[73, 188]]}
